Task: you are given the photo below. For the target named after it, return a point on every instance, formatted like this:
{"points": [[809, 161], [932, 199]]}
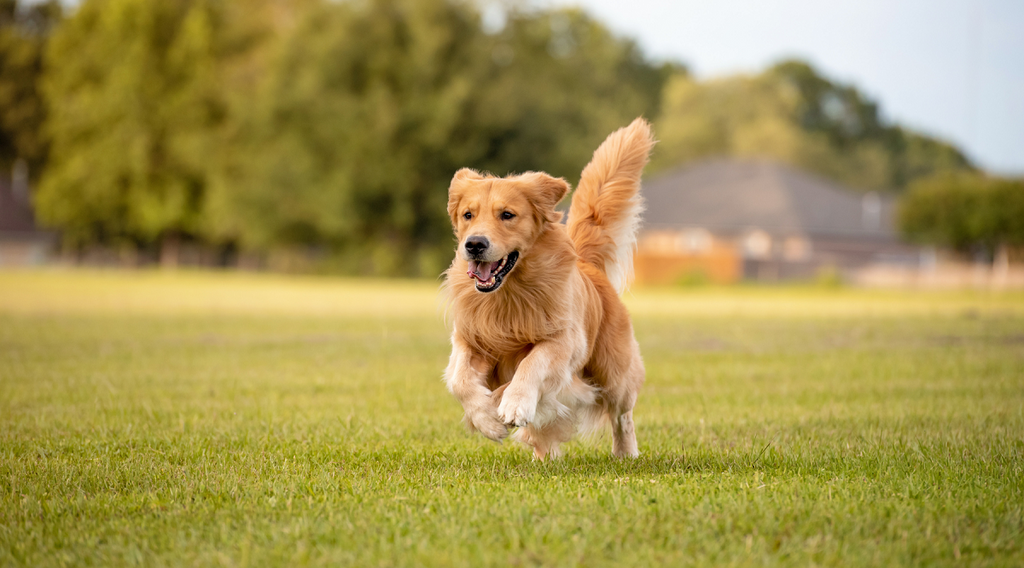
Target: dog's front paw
{"points": [[486, 421], [518, 407]]}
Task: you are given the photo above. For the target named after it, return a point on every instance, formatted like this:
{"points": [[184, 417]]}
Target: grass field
{"points": [[203, 419]]}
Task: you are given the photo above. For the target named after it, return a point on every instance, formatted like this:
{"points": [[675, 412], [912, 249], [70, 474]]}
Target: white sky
{"points": [[950, 68]]}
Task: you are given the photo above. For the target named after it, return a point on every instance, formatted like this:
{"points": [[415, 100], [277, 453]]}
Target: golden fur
{"points": [[550, 350]]}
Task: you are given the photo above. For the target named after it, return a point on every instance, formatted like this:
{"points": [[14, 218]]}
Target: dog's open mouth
{"points": [[488, 275]]}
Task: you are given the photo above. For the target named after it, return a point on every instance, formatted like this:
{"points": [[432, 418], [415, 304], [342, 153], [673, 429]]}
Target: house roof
{"points": [[732, 196]]}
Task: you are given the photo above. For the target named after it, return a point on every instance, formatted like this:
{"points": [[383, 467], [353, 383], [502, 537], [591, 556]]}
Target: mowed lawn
{"points": [[224, 419]]}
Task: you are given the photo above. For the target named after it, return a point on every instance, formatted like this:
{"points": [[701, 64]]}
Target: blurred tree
{"points": [[23, 33], [334, 127], [970, 213], [793, 114], [369, 108], [345, 141], [555, 85], [135, 104]]}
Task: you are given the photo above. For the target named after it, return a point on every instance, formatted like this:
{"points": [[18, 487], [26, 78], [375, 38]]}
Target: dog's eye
{"points": [[506, 215], [467, 216]]}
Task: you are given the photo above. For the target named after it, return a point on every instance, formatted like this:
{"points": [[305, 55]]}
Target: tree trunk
{"points": [[1001, 266], [170, 249]]}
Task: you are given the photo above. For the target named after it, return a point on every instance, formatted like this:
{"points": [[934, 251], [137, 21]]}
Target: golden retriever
{"points": [[540, 339]]}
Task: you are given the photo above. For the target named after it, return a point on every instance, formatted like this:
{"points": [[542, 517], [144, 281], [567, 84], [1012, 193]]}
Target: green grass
{"points": [[202, 419]]}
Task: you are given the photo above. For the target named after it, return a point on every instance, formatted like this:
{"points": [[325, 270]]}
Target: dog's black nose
{"points": [[476, 245]]}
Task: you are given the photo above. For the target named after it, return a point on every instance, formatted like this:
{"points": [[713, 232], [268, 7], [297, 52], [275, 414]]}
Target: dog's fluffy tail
{"points": [[605, 211]]}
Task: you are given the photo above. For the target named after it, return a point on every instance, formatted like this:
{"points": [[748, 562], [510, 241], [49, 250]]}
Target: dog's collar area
{"points": [[497, 276]]}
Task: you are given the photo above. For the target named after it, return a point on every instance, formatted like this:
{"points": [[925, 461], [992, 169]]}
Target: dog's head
{"points": [[497, 220]]}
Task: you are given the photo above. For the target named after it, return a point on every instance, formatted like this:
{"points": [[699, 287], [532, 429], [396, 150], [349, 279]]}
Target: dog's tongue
{"points": [[481, 270]]}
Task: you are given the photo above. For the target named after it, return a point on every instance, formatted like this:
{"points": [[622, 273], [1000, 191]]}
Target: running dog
{"points": [[541, 341]]}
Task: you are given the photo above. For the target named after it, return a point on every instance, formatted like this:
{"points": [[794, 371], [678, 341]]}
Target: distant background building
{"points": [[725, 220]]}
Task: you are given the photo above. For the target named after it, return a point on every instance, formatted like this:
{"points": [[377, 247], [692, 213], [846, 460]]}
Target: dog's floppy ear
{"points": [[547, 192], [454, 193]]}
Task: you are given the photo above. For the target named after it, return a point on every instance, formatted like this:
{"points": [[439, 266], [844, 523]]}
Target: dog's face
{"points": [[497, 220]]}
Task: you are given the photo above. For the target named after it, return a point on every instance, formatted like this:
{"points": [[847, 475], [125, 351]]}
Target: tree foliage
{"points": [[793, 114], [334, 127], [24, 30], [134, 111], [368, 109], [970, 213]]}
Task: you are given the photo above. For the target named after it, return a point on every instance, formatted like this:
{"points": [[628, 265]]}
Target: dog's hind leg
{"points": [[620, 410], [624, 436]]}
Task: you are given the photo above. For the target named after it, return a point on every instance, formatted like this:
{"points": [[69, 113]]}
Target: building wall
{"points": [[670, 257]]}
